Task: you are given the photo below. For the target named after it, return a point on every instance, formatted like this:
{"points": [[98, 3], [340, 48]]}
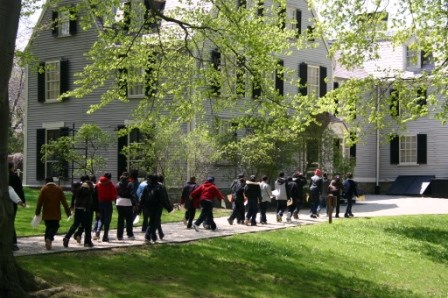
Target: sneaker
{"points": [[247, 222], [337, 216], [77, 238], [296, 215], [288, 220], [195, 227], [88, 245], [346, 216], [207, 227], [65, 242], [131, 237], [313, 216], [279, 218], [105, 239], [96, 236], [15, 247], [48, 244], [119, 238], [351, 215], [253, 224], [148, 241], [230, 221]]}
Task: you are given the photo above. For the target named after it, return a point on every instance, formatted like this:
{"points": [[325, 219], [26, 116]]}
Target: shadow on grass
{"points": [[240, 266]]}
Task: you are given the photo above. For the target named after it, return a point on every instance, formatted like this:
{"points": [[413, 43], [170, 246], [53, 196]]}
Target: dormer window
{"points": [[412, 58], [64, 22]]}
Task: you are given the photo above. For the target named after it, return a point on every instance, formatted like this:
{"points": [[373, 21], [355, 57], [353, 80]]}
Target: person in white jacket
{"points": [[266, 195], [281, 195]]}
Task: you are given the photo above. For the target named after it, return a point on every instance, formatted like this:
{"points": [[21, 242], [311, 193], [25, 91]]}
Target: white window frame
{"points": [[313, 80], [412, 58], [136, 89], [52, 80], [63, 23], [408, 150]]}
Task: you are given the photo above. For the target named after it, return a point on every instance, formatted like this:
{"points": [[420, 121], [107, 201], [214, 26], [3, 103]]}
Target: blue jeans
{"points": [[206, 214], [106, 216], [252, 210], [281, 206], [348, 211], [263, 208]]}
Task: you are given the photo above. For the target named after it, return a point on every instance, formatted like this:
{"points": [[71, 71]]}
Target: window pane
{"points": [[313, 80], [64, 23], [408, 149], [52, 80]]}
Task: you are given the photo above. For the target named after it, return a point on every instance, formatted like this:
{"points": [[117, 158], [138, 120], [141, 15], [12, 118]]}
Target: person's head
{"points": [[325, 175], [296, 175], [160, 178], [11, 166], [84, 178], [349, 175], [49, 179], [265, 178], [337, 178], [193, 179], [240, 175], [92, 178], [252, 178], [108, 175], [318, 172], [123, 178], [126, 174], [281, 174], [152, 178], [211, 179], [133, 174]]}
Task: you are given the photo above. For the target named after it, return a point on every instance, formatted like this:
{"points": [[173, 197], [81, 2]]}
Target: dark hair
{"points": [[126, 174], [192, 178], [153, 178], [49, 179], [84, 178], [10, 165], [133, 174], [265, 178], [160, 178], [92, 178], [241, 175], [253, 178], [123, 178], [108, 175], [282, 174], [349, 175]]}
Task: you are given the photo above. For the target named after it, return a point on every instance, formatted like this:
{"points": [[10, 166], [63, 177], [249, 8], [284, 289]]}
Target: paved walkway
{"points": [[374, 205]]}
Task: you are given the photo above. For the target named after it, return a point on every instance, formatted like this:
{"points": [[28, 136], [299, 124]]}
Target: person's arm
{"points": [[40, 201], [68, 212]]}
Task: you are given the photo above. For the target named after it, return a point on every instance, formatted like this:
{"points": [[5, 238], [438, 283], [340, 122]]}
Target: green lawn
{"points": [[403, 256], [25, 215]]}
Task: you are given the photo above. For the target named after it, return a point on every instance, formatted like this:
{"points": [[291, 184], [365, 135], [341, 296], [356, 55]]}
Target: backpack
{"points": [[151, 195]]}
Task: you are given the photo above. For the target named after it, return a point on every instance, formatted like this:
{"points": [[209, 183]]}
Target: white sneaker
{"points": [[195, 227], [131, 237]]}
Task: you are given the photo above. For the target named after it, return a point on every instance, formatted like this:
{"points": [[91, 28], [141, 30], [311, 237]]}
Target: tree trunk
{"points": [[10, 274]]}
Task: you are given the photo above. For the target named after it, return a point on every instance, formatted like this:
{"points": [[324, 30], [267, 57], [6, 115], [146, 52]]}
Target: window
{"points": [[297, 21], [412, 58], [279, 77], [136, 89], [260, 8], [134, 156], [216, 64], [64, 22], [52, 166], [282, 17], [408, 149], [310, 33], [313, 80], [152, 8], [52, 80]]}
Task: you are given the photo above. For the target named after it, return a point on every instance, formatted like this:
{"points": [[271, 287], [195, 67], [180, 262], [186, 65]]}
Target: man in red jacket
{"points": [[205, 195], [107, 193]]}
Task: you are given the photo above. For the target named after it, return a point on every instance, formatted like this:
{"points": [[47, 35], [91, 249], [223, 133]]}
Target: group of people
{"points": [[91, 198], [248, 197], [149, 198]]}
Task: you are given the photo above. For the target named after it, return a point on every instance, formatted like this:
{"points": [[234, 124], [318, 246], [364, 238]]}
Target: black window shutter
{"points": [[260, 8], [122, 80], [256, 88], [279, 77], [240, 83], [421, 148], [41, 83], [299, 21], [126, 17], [150, 88], [64, 132], [64, 68], [73, 24], [122, 159], [395, 150], [303, 76], [422, 96], [310, 31], [216, 62], [322, 83], [54, 23], [40, 165], [353, 151], [394, 103], [282, 17], [335, 85]]}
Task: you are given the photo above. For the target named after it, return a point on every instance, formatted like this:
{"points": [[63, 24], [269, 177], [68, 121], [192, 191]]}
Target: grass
{"points": [[25, 215], [404, 256]]}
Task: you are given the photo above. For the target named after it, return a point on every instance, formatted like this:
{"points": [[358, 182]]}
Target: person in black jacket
{"points": [[16, 184], [295, 188], [238, 209], [350, 190], [154, 199], [252, 191], [186, 201], [82, 205]]}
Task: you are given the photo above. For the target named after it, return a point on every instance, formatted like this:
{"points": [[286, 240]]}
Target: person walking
{"points": [[252, 191], [281, 195], [16, 184], [205, 195], [141, 207], [107, 193], [266, 196], [238, 208], [82, 206], [153, 200], [335, 189], [185, 200], [350, 191], [324, 192], [49, 203], [315, 191], [295, 188], [125, 206]]}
